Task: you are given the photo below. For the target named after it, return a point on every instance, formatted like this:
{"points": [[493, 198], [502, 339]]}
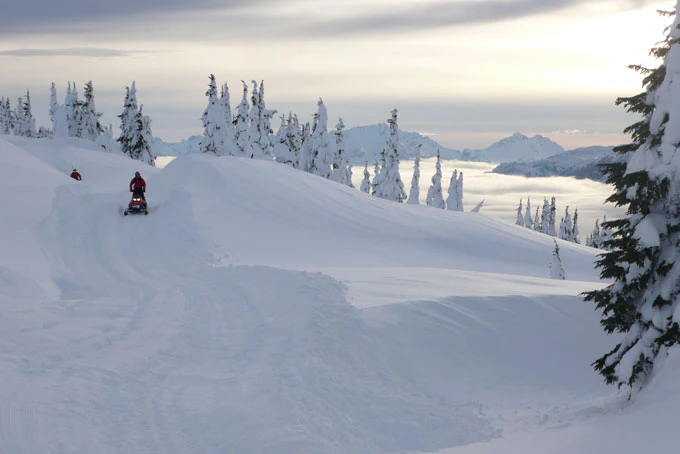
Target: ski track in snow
{"points": [[236, 359]]}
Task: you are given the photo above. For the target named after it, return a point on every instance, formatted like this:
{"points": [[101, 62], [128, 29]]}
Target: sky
{"points": [[465, 72], [259, 308]]}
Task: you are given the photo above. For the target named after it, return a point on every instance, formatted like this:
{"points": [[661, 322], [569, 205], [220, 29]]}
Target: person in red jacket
{"points": [[138, 186], [75, 175]]}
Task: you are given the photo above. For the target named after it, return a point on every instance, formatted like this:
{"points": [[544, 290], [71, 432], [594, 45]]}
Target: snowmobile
{"points": [[137, 205]]}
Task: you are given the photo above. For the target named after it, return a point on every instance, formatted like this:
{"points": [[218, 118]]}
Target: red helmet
{"points": [[137, 174]]}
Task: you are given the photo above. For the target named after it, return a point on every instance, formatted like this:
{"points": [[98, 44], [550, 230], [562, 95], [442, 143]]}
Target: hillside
{"points": [[517, 147], [579, 163], [263, 309]]}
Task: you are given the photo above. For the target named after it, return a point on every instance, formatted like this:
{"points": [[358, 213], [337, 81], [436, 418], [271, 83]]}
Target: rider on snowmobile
{"points": [[138, 186]]}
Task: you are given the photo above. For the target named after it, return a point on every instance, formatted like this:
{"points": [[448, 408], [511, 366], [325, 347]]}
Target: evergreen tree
{"points": [[574, 230], [459, 192], [478, 207], [259, 131], [366, 182], [520, 218], [143, 139], [452, 199], [528, 222], [545, 216], [391, 186], [214, 126], [414, 194], [593, 239], [73, 111], [294, 139], [24, 123], [90, 128], [322, 154], [551, 218], [305, 157], [241, 138], [229, 129], [54, 105], [537, 223], [6, 122], [375, 184], [566, 226], [555, 266], [128, 127], [342, 171], [282, 151], [642, 302], [434, 193]]}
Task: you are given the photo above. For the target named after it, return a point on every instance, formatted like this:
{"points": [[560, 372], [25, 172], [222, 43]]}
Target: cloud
{"points": [[264, 19], [98, 52]]}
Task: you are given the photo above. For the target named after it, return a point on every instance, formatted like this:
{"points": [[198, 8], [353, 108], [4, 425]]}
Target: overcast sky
{"points": [[467, 72]]}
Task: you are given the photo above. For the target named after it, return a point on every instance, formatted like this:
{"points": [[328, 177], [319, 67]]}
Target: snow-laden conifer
{"points": [[478, 207], [555, 265], [90, 128], [459, 192], [538, 227], [642, 303], [519, 220], [73, 111], [259, 129], [434, 193], [452, 199], [241, 139], [414, 194], [24, 123], [341, 171], [282, 153], [322, 152], [366, 182], [593, 240], [566, 226], [391, 186], [5, 116], [377, 175], [552, 231], [294, 139], [54, 105], [214, 125], [229, 129], [528, 222]]}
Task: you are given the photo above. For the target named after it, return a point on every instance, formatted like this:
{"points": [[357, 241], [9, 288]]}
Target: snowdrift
{"points": [[262, 309]]}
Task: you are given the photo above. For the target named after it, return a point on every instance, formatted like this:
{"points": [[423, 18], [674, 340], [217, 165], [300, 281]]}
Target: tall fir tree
{"points": [[414, 194], [643, 263], [341, 171], [434, 193], [519, 220], [24, 123], [214, 124], [555, 266], [90, 128], [6, 115], [241, 140], [452, 199], [229, 129], [528, 222], [366, 182], [391, 186], [322, 153]]}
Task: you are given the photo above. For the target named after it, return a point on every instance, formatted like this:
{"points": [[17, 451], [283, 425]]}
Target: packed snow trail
{"points": [[161, 352], [204, 327]]}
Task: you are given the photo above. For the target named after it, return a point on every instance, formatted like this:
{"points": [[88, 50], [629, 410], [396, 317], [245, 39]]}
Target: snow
{"points": [[517, 147], [263, 309]]}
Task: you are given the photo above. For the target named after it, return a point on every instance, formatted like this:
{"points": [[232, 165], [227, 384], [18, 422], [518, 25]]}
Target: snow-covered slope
{"points": [[262, 309], [579, 163], [517, 147]]}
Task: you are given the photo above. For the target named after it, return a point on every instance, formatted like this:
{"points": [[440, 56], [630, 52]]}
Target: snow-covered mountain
{"points": [[163, 148], [263, 309], [517, 147], [579, 163], [364, 143]]}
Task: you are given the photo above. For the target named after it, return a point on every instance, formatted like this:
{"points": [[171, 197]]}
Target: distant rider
{"points": [[75, 175], [138, 186]]}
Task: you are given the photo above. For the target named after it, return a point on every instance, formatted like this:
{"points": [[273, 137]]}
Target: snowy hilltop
{"points": [[517, 147], [260, 308], [579, 163], [190, 145]]}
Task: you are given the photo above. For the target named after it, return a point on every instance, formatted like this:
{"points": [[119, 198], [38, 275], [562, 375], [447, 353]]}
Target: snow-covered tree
{"points": [[538, 227], [555, 266], [229, 129], [54, 105], [260, 131], [478, 207], [391, 186], [566, 226], [414, 194], [6, 115], [545, 216], [593, 239], [135, 138], [342, 171], [143, 148], [214, 124], [574, 232], [24, 123], [434, 193], [73, 111], [459, 192], [642, 303], [520, 217], [107, 141], [90, 128], [366, 182], [551, 218], [452, 199], [322, 152], [528, 222], [241, 140], [58, 115], [375, 184]]}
